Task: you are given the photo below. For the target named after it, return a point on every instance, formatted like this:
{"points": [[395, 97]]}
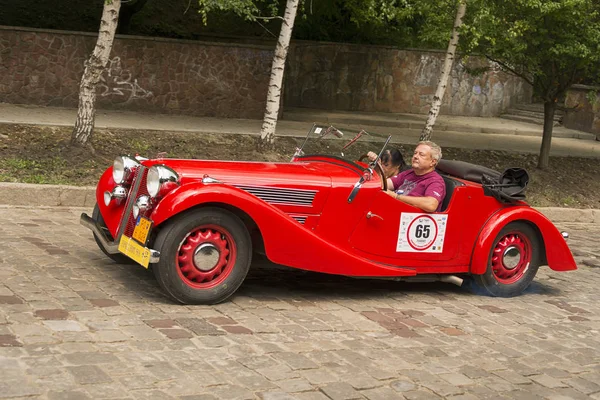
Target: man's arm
{"points": [[427, 203]]}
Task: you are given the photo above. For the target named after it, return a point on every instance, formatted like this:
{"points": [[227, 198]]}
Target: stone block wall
{"points": [[385, 79], [144, 74], [230, 80], [582, 114]]}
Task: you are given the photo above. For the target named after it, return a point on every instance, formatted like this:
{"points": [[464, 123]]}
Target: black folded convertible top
{"points": [[507, 187]]}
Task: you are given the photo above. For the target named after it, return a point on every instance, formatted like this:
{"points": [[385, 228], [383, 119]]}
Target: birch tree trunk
{"points": [[443, 82], [267, 131], [94, 66]]}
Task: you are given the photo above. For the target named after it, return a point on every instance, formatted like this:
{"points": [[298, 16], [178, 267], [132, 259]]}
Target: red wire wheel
{"points": [[514, 260], [206, 257], [511, 257]]}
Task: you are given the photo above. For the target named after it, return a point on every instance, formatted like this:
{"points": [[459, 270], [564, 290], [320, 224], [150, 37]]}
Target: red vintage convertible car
{"points": [[198, 222]]}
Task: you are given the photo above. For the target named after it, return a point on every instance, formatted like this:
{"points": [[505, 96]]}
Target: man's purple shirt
{"points": [[429, 185]]}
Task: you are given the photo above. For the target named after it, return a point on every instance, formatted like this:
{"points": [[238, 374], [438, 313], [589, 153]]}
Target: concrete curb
{"points": [[25, 194]]}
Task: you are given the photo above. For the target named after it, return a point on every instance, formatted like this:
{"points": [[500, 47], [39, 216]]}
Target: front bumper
{"points": [[110, 246]]}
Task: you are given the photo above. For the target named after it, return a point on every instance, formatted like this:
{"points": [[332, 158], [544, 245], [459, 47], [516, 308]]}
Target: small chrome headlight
{"points": [[142, 204], [119, 193], [123, 169], [161, 179]]}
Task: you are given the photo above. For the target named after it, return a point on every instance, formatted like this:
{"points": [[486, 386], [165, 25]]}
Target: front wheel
{"points": [[513, 261], [205, 256]]}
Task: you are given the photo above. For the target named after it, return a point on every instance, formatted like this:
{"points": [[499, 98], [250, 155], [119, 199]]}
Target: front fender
{"points": [[558, 255], [287, 242]]}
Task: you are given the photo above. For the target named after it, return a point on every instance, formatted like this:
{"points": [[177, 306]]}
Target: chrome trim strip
{"points": [[301, 197], [300, 219]]}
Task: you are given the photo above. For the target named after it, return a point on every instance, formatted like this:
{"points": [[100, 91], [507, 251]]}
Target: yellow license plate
{"points": [[141, 230], [135, 251]]}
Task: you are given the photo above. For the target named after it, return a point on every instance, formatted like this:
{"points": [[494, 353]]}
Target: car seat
{"points": [[450, 185]]}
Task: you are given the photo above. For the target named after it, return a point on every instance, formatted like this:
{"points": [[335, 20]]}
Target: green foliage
{"points": [[592, 96], [250, 10], [552, 44]]}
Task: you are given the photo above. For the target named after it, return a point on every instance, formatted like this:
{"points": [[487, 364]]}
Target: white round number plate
{"points": [[421, 232]]}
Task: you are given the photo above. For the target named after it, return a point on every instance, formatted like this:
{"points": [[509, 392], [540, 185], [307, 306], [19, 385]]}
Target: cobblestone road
{"points": [[74, 325]]}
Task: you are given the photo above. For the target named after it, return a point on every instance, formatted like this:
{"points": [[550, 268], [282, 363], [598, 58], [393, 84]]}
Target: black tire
{"points": [[118, 258], [205, 233], [506, 276]]}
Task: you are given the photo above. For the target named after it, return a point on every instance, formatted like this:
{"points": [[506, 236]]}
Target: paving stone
{"points": [[340, 391], [420, 395], [9, 341], [294, 385], [583, 385], [52, 314], [88, 374], [10, 300], [90, 358], [311, 395], [199, 326], [295, 361], [13, 388], [66, 325], [547, 381], [104, 302], [236, 329], [276, 396], [68, 395], [381, 393]]}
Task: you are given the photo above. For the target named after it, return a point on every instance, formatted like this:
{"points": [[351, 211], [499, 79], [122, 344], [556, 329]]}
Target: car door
{"points": [[392, 229]]}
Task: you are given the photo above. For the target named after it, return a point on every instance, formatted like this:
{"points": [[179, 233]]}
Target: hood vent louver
{"points": [[271, 195]]}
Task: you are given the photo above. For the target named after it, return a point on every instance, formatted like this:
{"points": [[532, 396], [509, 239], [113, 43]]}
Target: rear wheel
{"points": [[513, 261], [118, 257], [205, 256]]}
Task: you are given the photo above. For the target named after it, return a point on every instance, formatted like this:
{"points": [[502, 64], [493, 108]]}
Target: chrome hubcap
{"points": [[511, 257], [206, 257]]}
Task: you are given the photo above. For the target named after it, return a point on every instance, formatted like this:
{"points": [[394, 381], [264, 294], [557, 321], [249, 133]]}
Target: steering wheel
{"points": [[379, 171]]}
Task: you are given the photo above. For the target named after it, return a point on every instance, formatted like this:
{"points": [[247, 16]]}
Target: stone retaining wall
{"points": [[586, 115], [386, 79], [230, 80], [144, 74]]}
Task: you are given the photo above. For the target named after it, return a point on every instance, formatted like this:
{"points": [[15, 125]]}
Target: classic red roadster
{"points": [[199, 222]]}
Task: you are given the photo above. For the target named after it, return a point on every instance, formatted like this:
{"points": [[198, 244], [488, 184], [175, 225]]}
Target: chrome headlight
{"points": [[161, 179], [123, 169], [119, 193], [142, 204]]}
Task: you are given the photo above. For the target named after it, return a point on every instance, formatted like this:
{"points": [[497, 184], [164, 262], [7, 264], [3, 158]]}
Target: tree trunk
{"points": [[549, 109], [267, 131], [94, 66], [443, 82]]}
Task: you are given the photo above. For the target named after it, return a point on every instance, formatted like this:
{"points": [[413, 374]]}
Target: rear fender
{"points": [[286, 241], [558, 255]]}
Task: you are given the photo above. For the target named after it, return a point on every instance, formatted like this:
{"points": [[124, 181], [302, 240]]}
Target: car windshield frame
{"points": [[337, 143]]}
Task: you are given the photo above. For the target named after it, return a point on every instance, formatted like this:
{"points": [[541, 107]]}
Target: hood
{"points": [[294, 187]]}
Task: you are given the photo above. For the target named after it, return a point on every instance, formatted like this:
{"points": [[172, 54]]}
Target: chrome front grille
{"points": [[296, 197], [138, 188]]}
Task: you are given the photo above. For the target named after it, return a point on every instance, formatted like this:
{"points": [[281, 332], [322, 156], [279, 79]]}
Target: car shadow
{"points": [[268, 281]]}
